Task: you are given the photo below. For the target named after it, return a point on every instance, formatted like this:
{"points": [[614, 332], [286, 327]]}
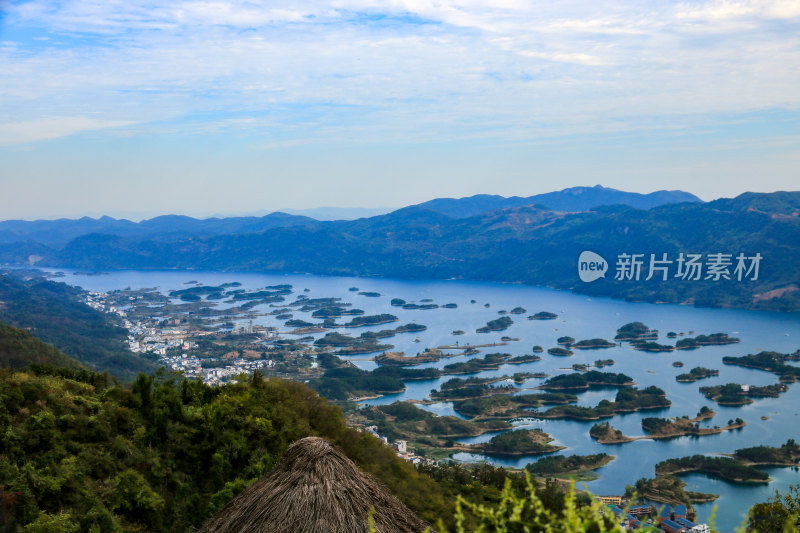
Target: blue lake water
{"points": [[582, 318]]}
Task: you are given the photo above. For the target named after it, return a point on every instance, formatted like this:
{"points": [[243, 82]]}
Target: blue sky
{"points": [[133, 108]]}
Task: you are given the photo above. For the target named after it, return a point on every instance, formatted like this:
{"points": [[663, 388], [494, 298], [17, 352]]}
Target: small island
{"points": [[604, 433], [652, 347], [565, 341], [725, 468], [635, 331], [586, 380], [592, 344], [490, 361], [696, 373], [517, 442], [498, 324], [461, 389], [774, 362], [543, 315], [507, 406], [734, 394], [600, 363], [518, 311], [628, 400], [565, 465], [715, 339], [371, 320], [560, 352]]}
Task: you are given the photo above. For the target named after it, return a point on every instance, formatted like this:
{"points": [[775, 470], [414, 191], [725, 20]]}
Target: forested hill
{"points": [[83, 454], [18, 349], [530, 245], [56, 314]]}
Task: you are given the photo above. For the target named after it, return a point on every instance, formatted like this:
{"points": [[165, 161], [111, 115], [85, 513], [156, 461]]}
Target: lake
{"points": [[582, 318]]}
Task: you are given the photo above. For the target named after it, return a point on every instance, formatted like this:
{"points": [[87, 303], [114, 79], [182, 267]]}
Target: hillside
{"points": [[55, 313], [18, 349], [82, 454]]}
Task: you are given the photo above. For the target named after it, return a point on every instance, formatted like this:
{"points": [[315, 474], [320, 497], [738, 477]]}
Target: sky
{"points": [[136, 108]]}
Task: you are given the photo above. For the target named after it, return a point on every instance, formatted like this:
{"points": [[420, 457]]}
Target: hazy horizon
{"points": [[306, 211]]}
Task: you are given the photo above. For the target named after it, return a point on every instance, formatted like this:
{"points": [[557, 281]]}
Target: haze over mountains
{"points": [[56, 233], [531, 244]]}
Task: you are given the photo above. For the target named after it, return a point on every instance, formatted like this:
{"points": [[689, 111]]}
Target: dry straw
{"points": [[315, 488]]}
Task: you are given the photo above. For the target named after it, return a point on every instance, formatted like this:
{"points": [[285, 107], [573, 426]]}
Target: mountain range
{"points": [[57, 233], [531, 244]]}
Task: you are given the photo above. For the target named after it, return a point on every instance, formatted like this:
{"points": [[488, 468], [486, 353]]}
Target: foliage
{"points": [[779, 514], [561, 463], [81, 453], [56, 314]]}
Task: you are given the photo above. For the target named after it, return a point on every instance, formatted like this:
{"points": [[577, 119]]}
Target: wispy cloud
{"points": [[405, 68], [52, 128]]}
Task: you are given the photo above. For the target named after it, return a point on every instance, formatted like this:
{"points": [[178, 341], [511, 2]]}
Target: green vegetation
{"points": [[585, 380], [370, 294], [397, 302], [18, 349], [733, 394], [786, 454], [652, 347], [371, 320], [498, 324], [723, 467], [507, 406], [667, 489], [56, 314], [423, 429], [543, 315], [696, 373], [715, 339], [600, 363], [769, 361], [347, 382], [166, 454], [627, 400], [490, 361], [566, 341], [588, 344], [634, 331], [457, 388], [779, 514], [518, 311], [519, 442], [562, 464], [335, 312], [678, 427], [606, 434], [561, 352]]}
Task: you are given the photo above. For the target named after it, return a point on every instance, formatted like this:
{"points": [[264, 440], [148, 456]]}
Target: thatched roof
{"points": [[315, 488]]}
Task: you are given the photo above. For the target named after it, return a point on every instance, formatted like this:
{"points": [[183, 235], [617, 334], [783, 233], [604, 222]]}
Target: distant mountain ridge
{"points": [[573, 199], [531, 245], [166, 227], [57, 233]]}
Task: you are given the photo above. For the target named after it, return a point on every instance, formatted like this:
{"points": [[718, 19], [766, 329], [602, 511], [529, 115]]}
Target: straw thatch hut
{"points": [[315, 488]]}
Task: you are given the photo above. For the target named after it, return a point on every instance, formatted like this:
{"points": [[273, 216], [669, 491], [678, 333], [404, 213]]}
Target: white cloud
{"points": [[372, 69], [52, 128]]}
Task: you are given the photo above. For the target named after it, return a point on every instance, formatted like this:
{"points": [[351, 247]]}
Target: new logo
{"points": [[591, 266]]}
